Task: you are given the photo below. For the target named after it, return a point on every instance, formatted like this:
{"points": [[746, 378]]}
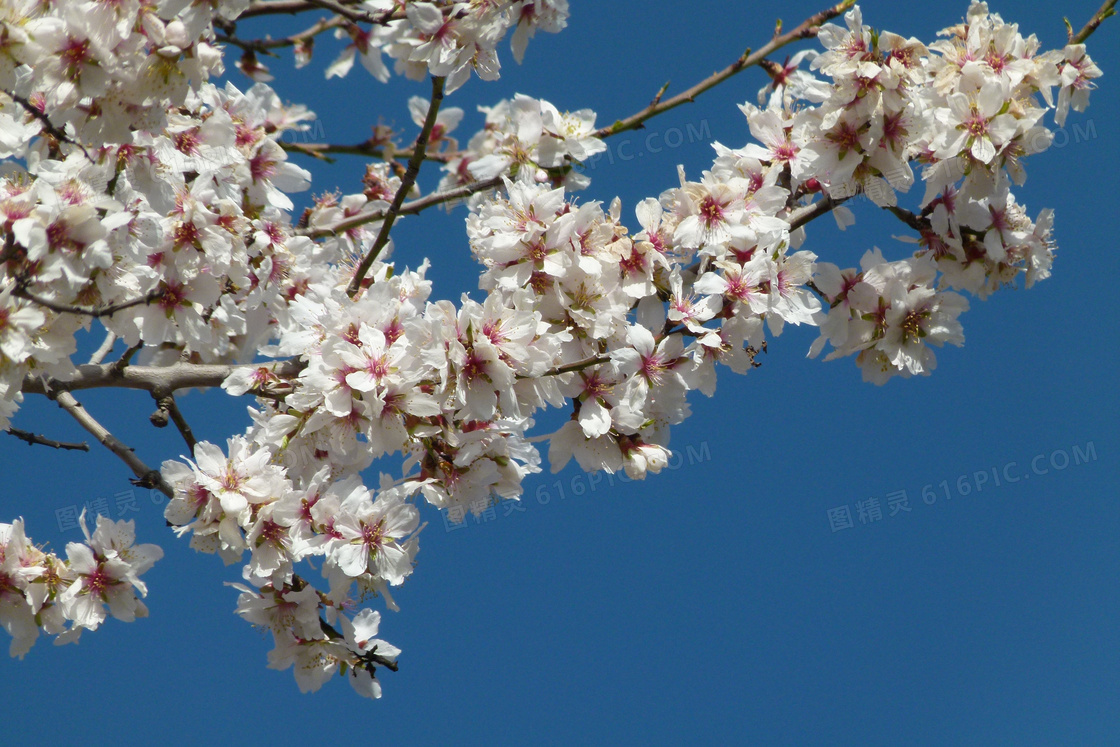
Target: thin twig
{"points": [[169, 408], [660, 92], [342, 10], [10, 250], [118, 366], [106, 347], [370, 656], [570, 367], [32, 438], [807, 29], [48, 126], [21, 290], [268, 43], [1108, 9], [145, 476], [277, 7], [904, 215], [409, 208], [407, 181], [368, 149]]}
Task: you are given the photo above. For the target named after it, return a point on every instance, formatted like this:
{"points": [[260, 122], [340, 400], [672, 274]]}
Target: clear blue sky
{"points": [[712, 604]]}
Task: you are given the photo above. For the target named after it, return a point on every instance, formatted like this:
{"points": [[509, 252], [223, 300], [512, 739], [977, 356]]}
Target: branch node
{"points": [[150, 479], [126, 358], [160, 418]]}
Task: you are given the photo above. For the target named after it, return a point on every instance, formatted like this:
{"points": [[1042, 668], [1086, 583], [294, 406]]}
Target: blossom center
{"points": [[711, 211]]}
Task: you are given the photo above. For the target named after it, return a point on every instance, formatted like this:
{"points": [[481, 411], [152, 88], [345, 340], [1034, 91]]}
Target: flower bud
{"points": [[641, 458]]}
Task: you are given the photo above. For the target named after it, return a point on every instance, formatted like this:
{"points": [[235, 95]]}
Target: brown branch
{"points": [[1106, 10], [168, 409], [292, 7], [342, 10], [145, 475], [182, 424], [407, 181], [800, 217], [268, 43], [32, 438], [277, 7], [48, 126], [458, 193], [409, 208], [152, 378], [368, 656], [369, 149], [121, 363], [569, 367], [807, 29], [22, 291], [904, 215], [9, 252], [660, 92]]}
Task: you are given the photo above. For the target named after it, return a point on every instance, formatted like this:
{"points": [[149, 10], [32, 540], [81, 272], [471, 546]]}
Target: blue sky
{"points": [[714, 603]]}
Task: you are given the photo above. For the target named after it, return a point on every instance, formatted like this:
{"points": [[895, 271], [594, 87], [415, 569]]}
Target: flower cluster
{"points": [[445, 38], [966, 110], [889, 313], [172, 224], [244, 503], [179, 238], [101, 70], [63, 597], [526, 136]]}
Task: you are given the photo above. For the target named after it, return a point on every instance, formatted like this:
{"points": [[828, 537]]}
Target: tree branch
{"points": [[166, 408], [342, 10], [162, 379], [32, 438], [369, 656], [807, 29], [48, 126], [126, 357], [370, 149], [407, 181], [568, 368], [409, 208], [904, 215], [268, 43], [809, 213], [22, 292], [145, 475], [275, 7], [106, 346], [1106, 10]]}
